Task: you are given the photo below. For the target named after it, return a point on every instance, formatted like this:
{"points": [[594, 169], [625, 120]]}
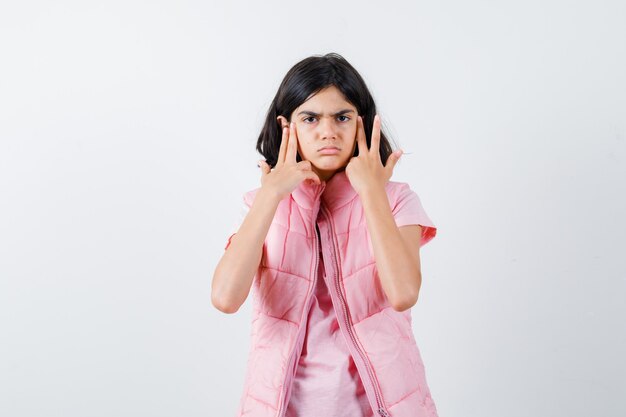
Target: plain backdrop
{"points": [[128, 132]]}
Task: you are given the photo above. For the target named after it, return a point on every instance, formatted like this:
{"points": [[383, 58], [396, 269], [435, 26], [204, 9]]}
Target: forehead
{"points": [[329, 101]]}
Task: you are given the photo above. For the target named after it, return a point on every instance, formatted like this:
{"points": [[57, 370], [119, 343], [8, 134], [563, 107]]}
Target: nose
{"points": [[328, 128]]}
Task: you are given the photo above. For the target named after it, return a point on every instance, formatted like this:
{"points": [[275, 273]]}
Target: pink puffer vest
{"points": [[380, 339]]}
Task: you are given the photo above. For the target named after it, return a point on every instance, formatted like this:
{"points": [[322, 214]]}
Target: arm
{"points": [[235, 271], [396, 250]]}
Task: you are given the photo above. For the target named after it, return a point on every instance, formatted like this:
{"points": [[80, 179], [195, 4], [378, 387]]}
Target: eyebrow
{"points": [[340, 112]]}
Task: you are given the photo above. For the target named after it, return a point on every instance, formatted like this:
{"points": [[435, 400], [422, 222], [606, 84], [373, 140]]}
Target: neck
{"points": [[326, 175]]}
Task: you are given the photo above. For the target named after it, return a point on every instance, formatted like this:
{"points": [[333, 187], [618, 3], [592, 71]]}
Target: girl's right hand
{"points": [[287, 173]]}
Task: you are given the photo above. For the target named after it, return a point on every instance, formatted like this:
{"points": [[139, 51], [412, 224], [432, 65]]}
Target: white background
{"points": [[128, 133]]}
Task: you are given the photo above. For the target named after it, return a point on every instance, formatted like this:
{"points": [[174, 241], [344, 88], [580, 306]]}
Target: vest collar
{"points": [[334, 193]]}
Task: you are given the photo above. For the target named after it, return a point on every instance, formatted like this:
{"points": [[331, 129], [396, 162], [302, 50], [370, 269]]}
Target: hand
{"points": [[366, 170], [287, 173]]}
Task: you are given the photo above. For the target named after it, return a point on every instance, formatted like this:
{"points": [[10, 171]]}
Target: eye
{"points": [[346, 118]]}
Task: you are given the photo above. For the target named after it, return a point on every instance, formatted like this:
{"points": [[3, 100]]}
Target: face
{"points": [[325, 120]]}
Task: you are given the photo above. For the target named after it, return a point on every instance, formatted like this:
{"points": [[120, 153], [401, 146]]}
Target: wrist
{"points": [[373, 191], [269, 196]]}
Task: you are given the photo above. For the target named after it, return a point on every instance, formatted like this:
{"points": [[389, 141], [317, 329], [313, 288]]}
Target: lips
{"points": [[329, 150]]}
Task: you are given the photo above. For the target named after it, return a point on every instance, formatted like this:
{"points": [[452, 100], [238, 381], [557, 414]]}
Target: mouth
{"points": [[329, 150]]}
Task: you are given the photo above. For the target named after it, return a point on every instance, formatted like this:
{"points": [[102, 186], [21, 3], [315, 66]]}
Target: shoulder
{"points": [[248, 196], [398, 190], [396, 185]]}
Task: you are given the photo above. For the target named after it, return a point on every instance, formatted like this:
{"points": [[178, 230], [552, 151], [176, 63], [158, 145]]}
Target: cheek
{"points": [[307, 146]]}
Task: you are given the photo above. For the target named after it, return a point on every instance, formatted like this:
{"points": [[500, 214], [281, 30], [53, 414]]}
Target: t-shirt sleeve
{"points": [[408, 210], [243, 212]]}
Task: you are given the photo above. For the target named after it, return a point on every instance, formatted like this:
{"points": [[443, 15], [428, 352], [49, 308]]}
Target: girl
{"points": [[331, 248]]}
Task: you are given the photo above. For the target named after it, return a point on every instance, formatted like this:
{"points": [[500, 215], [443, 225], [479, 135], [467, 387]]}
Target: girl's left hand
{"points": [[366, 170]]}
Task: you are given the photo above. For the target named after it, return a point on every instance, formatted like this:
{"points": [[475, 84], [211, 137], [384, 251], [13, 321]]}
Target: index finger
{"points": [[292, 146], [283, 146], [375, 146], [360, 137]]}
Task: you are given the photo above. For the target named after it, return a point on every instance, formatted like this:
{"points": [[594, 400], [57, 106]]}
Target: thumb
{"points": [[265, 168], [393, 159]]}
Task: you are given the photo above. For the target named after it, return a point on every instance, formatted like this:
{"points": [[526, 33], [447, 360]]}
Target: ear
{"points": [[282, 121]]}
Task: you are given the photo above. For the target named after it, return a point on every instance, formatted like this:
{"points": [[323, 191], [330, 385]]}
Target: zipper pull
{"points": [[383, 413]]}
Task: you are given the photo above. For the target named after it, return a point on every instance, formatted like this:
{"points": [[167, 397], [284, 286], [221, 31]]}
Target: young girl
{"points": [[331, 248]]}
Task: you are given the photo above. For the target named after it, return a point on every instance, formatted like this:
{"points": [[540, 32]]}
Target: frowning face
{"points": [[326, 125]]}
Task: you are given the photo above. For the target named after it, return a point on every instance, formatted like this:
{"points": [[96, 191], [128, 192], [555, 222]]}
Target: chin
{"points": [[330, 167]]}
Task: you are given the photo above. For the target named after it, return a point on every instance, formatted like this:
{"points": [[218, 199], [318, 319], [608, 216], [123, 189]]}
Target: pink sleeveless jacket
{"points": [[380, 339]]}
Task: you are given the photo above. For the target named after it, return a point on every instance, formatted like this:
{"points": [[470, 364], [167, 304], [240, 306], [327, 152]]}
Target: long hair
{"points": [[303, 80]]}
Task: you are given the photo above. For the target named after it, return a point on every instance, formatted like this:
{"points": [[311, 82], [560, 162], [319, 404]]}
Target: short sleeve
{"points": [[243, 212], [408, 209]]}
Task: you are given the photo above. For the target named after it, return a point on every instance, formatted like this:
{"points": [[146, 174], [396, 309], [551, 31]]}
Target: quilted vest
{"points": [[380, 339]]}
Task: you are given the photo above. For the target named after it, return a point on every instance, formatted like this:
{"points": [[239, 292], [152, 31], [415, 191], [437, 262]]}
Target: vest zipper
{"points": [[379, 402]]}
